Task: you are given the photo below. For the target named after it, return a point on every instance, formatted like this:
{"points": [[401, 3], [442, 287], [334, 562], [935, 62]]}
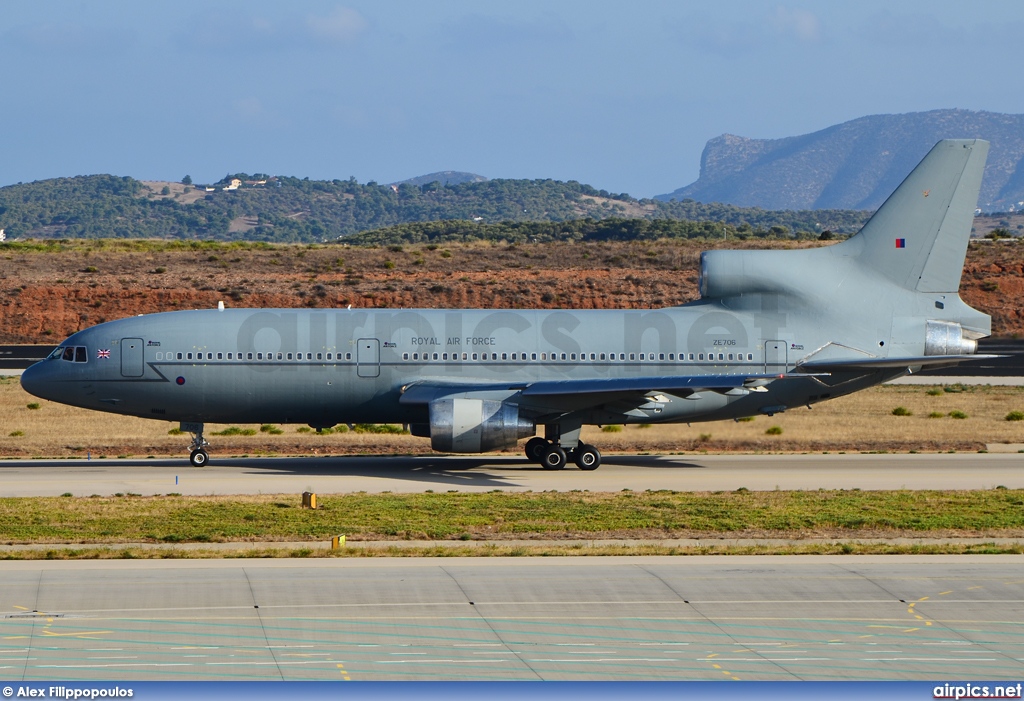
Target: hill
{"points": [[445, 177], [855, 165], [289, 209]]}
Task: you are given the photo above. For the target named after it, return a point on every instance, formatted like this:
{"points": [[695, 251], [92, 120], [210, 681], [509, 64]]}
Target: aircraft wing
{"points": [[562, 396]]}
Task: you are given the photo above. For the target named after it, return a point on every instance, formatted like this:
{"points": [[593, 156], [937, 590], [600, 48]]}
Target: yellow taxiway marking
{"points": [[344, 673]]}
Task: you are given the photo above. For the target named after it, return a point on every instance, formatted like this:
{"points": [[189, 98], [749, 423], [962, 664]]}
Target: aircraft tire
{"points": [[535, 448], [199, 458], [587, 457], [553, 458]]}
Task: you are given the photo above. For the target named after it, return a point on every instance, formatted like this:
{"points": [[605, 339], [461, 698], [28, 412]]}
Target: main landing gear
{"points": [[198, 457], [553, 456]]}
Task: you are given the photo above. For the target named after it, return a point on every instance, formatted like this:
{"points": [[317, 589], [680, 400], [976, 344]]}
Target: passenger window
{"points": [[290, 356], [435, 356], [464, 356], [632, 356], [504, 356], [721, 356], [661, 356], [563, 356], [476, 356], [249, 356], [405, 356], [701, 356], [444, 356], [691, 356], [220, 356], [348, 356], [533, 356], [259, 356], [750, 356], [415, 356], [543, 356], [280, 356], [730, 356], [593, 356], [188, 356], [329, 356]]}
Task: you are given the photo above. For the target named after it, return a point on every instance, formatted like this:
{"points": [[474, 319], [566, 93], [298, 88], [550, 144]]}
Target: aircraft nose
{"points": [[33, 380]]}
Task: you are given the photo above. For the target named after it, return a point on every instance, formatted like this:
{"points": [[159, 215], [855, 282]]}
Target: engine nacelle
{"points": [[461, 425], [735, 273], [947, 338]]}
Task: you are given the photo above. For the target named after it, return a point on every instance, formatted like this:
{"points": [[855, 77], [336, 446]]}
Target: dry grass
{"points": [[493, 550], [861, 422]]}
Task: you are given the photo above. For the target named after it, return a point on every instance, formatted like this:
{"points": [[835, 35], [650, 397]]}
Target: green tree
{"points": [[187, 180]]}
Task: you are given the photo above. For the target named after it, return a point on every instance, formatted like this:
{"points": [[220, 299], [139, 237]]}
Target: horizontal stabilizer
{"points": [[881, 363]]}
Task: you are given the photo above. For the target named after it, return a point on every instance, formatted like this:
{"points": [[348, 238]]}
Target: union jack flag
{"points": [[103, 354]]}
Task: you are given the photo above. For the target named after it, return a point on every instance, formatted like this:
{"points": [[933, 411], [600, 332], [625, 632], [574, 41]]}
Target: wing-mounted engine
{"points": [[467, 425]]}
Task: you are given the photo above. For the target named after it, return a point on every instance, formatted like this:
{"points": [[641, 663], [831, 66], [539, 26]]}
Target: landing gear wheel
{"points": [[587, 457], [199, 458], [553, 458], [535, 448]]}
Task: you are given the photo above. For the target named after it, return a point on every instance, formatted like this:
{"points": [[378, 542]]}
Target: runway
{"points": [[638, 618], [328, 475]]}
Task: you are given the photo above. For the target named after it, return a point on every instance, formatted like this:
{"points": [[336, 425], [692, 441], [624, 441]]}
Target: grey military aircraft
{"points": [[771, 330]]}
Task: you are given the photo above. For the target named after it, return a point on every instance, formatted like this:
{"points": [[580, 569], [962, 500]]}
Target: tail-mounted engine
{"points": [[461, 425], [947, 338]]}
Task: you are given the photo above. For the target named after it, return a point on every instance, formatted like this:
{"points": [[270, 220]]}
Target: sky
{"points": [[620, 95]]}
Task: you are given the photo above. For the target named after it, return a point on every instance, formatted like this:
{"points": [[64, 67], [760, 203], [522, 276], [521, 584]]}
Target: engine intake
{"points": [[947, 338], [465, 425]]}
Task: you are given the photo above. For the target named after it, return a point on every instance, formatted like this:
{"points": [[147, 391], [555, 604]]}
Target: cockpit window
{"points": [[55, 353], [72, 354]]}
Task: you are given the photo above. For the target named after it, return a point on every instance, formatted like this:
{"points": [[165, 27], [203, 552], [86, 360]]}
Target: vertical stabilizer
{"points": [[918, 238]]}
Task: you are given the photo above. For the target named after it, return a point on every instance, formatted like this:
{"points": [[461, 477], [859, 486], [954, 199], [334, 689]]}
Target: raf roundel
{"points": [[180, 380]]}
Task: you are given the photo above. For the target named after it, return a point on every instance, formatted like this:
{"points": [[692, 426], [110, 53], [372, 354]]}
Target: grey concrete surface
{"points": [[484, 473], [637, 618]]}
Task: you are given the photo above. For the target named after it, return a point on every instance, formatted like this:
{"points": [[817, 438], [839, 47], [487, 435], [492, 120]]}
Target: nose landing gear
{"points": [[198, 457]]}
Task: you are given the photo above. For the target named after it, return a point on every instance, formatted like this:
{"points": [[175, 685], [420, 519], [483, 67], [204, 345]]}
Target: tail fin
{"points": [[918, 238]]}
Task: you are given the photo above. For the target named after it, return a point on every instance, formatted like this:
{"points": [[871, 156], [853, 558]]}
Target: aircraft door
{"points": [[368, 357], [132, 362], [775, 356]]}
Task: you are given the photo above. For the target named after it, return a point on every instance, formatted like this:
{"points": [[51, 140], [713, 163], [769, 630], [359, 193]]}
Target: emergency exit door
{"points": [[368, 357], [775, 356]]}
